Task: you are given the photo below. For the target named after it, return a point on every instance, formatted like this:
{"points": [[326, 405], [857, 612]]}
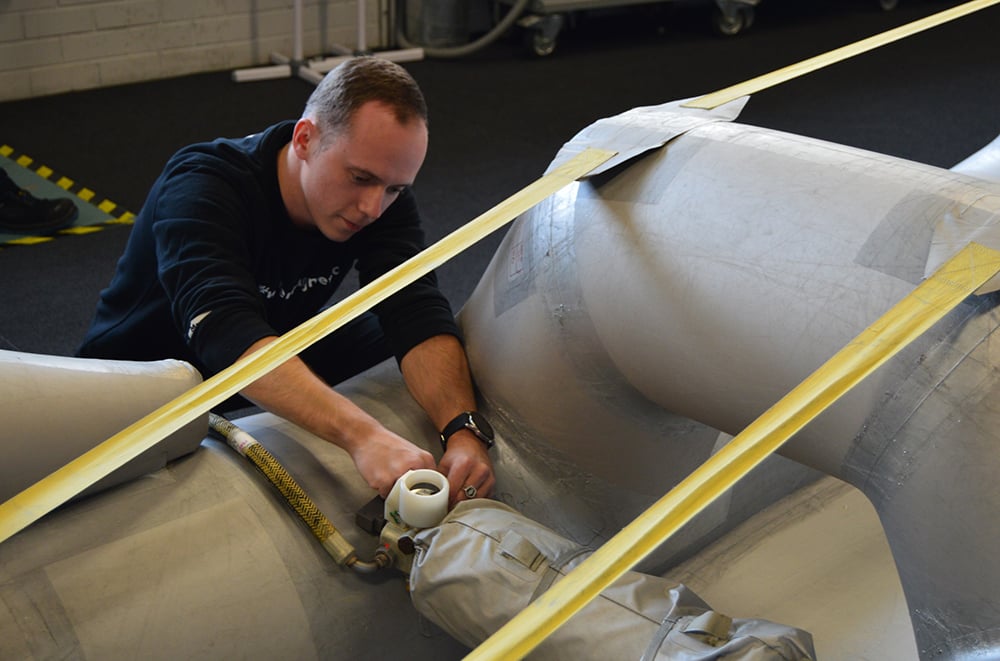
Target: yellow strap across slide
{"points": [[55, 489], [784, 74], [907, 320]]}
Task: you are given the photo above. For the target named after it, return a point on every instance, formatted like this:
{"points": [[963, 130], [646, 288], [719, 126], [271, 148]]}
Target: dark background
{"points": [[499, 116]]}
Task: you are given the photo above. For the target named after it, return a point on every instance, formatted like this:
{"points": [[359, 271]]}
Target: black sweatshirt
{"points": [[214, 264]]}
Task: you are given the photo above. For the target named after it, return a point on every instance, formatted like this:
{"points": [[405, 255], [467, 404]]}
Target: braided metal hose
{"points": [[327, 534]]}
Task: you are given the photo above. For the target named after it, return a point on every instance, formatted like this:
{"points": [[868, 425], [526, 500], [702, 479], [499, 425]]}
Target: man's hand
{"points": [[293, 392], [382, 457], [437, 373], [467, 464]]}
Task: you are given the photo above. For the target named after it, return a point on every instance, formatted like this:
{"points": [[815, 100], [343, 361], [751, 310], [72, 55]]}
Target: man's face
{"points": [[349, 183]]}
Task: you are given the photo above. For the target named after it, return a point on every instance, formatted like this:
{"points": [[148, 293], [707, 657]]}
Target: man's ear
{"points": [[304, 133]]}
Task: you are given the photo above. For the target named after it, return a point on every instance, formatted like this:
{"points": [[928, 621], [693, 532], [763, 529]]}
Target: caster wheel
{"points": [[539, 33], [733, 22], [540, 45]]}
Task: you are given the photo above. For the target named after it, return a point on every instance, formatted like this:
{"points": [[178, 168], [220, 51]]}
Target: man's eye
{"points": [[395, 190]]}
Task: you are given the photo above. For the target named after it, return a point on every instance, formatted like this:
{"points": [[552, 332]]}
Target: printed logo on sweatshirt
{"points": [[193, 325], [303, 285]]}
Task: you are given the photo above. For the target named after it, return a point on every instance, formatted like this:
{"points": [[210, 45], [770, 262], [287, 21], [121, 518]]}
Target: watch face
{"points": [[480, 422]]}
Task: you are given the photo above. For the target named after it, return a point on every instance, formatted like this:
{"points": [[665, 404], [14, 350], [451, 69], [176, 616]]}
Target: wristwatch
{"points": [[474, 422]]}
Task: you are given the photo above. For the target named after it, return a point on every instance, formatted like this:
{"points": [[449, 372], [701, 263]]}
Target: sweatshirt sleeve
{"points": [[420, 310], [204, 258]]}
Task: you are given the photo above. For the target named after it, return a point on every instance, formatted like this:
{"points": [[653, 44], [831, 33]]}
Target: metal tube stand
{"points": [[313, 70]]}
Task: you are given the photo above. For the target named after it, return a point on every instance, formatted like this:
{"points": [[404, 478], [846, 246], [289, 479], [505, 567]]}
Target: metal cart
{"points": [[543, 19]]}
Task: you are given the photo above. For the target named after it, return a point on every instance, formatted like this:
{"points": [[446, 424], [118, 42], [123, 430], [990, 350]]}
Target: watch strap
{"points": [[463, 420]]}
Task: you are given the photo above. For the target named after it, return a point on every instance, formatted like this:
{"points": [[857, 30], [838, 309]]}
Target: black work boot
{"points": [[23, 213]]}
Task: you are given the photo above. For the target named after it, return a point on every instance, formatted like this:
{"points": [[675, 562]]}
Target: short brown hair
{"points": [[356, 82]]}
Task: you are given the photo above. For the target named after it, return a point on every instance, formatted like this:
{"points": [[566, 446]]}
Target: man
{"points": [[241, 240]]}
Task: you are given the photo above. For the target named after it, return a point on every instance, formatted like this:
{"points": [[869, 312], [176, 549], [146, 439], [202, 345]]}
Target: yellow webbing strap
{"points": [[55, 489], [907, 320], [784, 74]]}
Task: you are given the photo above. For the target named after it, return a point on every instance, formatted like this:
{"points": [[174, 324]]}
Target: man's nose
{"points": [[372, 202]]}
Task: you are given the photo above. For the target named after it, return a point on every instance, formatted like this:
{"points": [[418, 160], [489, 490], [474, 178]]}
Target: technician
{"points": [[239, 241]]}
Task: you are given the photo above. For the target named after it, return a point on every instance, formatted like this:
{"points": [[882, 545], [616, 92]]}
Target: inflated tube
{"points": [[56, 408], [984, 163], [486, 562]]}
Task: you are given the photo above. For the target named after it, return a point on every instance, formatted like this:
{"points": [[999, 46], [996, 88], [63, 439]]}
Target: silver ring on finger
{"points": [[470, 491]]}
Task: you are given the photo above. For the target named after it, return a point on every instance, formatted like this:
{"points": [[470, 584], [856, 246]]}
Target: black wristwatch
{"points": [[474, 422]]}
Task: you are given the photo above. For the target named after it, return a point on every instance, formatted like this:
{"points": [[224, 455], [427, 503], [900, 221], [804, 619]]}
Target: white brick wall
{"points": [[51, 46]]}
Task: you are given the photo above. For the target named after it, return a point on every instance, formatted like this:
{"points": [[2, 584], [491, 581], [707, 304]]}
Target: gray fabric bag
{"points": [[485, 562]]}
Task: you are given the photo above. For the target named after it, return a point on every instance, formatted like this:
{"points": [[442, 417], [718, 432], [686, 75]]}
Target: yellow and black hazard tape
{"points": [[118, 215]]}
